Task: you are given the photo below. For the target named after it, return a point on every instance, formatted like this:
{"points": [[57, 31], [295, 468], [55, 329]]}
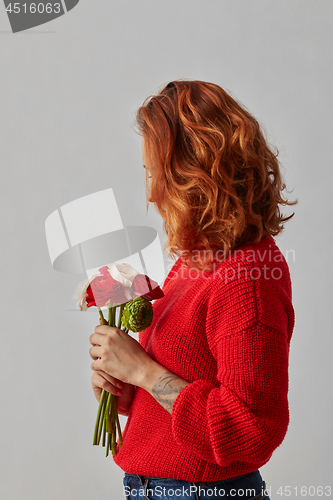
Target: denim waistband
{"points": [[168, 479]]}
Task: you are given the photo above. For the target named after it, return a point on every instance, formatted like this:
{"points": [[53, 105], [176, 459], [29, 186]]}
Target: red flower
{"points": [[104, 289], [145, 287]]}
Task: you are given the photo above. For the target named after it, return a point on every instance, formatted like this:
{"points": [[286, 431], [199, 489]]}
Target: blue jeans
{"points": [[246, 487]]}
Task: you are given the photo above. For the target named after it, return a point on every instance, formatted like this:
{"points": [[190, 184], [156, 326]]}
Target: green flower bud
{"points": [[137, 314]]}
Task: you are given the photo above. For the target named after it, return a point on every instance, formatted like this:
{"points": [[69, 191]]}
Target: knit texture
{"points": [[227, 332]]}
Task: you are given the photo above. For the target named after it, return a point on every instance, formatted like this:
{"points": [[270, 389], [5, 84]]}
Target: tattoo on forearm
{"points": [[167, 388]]}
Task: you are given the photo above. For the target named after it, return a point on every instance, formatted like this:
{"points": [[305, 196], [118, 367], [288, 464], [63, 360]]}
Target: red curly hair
{"points": [[216, 182]]}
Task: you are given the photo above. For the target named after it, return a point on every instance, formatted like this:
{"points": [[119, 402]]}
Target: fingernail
{"points": [[120, 385]]}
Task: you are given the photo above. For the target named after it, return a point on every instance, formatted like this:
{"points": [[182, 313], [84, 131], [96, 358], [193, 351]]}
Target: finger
{"points": [[104, 384], [95, 352], [114, 381], [104, 329], [93, 357], [96, 339], [96, 365]]}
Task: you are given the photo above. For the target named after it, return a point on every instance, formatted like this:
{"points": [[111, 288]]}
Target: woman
{"points": [[205, 389]]}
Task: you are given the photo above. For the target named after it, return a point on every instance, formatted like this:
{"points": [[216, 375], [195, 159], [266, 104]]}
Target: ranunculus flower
{"points": [[111, 284], [104, 289], [145, 287], [137, 315]]}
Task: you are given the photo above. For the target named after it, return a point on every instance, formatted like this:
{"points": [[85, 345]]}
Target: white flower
{"points": [[124, 273]]}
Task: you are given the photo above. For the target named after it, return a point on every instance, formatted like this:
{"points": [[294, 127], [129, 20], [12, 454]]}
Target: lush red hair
{"points": [[216, 182]]}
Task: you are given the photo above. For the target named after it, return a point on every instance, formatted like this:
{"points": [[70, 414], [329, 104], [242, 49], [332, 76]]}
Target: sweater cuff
{"points": [[188, 419]]}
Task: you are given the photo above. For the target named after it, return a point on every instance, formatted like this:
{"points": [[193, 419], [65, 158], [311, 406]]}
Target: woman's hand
{"points": [[101, 380], [119, 355]]}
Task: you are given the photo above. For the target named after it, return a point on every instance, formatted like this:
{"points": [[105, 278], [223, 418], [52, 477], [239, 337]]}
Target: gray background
{"points": [[68, 93]]}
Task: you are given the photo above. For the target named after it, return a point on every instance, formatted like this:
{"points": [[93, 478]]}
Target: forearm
{"points": [[163, 385]]}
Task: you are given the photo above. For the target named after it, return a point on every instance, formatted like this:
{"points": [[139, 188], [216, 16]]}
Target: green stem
{"points": [[108, 444], [114, 315], [122, 307], [112, 443], [102, 420], [104, 431], [107, 416], [100, 406], [119, 431], [113, 425], [108, 424], [101, 315]]}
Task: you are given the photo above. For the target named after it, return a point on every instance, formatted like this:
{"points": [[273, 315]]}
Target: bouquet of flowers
{"points": [[117, 287]]}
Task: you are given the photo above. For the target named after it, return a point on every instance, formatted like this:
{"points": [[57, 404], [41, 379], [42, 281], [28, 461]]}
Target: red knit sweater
{"points": [[228, 333]]}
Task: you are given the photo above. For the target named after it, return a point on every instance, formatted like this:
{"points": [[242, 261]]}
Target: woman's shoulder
{"points": [[253, 283], [261, 260]]}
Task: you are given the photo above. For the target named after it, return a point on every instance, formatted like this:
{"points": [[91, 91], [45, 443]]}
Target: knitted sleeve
{"points": [[244, 418]]}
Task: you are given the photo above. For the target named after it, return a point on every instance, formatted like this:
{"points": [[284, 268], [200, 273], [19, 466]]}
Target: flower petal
{"points": [[143, 286], [124, 273]]}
